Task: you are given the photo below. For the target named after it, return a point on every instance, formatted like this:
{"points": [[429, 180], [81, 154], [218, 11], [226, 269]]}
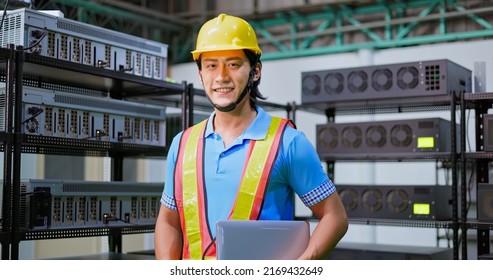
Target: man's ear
{"points": [[258, 71]]}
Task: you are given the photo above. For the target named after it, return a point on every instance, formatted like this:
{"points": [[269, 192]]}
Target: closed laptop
{"points": [[261, 240]]}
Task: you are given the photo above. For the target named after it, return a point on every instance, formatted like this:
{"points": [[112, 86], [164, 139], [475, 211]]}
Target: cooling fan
{"points": [[381, 79], [401, 135], [376, 136], [357, 81], [352, 137], [31, 125], [328, 137], [349, 198], [311, 85], [407, 77], [372, 199], [397, 200], [334, 83]]}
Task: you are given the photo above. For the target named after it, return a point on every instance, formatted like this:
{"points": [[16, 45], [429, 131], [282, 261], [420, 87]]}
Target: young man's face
{"points": [[224, 75]]}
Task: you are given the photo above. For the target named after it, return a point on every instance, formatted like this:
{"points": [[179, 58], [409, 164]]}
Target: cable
{"points": [[37, 113], [36, 43], [208, 247]]}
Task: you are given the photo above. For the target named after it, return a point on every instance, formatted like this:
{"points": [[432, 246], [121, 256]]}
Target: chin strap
{"points": [[246, 90], [232, 105]]}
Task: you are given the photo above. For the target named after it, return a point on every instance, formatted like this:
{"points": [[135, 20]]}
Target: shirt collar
{"points": [[257, 129]]}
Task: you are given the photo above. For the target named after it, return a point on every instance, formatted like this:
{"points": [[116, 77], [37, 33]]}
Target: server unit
{"points": [[77, 116], [413, 79], [399, 136], [485, 202], [366, 251], [397, 202], [48, 33], [49, 204]]}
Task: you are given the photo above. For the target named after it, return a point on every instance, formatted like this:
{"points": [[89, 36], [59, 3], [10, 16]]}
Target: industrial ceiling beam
{"points": [[394, 24], [124, 11], [159, 15]]}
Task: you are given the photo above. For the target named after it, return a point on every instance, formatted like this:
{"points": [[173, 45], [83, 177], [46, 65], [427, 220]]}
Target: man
{"points": [[241, 163]]}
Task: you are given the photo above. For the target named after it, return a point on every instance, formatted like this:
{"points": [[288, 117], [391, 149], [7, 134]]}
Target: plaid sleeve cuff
{"points": [[168, 202], [319, 193]]}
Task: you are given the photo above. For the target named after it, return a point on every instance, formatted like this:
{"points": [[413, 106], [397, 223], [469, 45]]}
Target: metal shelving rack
{"points": [[480, 103], [398, 105], [45, 72], [7, 64], [197, 100]]}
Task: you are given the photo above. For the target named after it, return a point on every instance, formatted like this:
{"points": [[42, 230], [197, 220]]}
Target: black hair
{"points": [[254, 59], [254, 91]]}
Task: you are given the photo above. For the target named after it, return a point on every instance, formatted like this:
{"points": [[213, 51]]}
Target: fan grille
{"points": [[401, 135], [357, 81], [376, 136], [407, 77], [372, 199], [349, 198], [397, 200], [352, 137], [311, 85], [328, 137], [334, 83], [381, 79]]}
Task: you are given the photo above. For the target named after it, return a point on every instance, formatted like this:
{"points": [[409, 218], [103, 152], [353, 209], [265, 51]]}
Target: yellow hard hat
{"points": [[226, 32]]}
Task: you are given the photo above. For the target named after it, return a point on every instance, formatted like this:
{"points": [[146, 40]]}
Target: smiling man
{"points": [[240, 163]]}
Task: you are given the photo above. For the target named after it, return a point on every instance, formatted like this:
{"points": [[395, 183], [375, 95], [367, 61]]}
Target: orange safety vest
{"points": [[190, 190]]}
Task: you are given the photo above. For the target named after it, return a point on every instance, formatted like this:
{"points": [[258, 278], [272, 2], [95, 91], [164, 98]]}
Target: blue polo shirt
{"points": [[297, 169]]}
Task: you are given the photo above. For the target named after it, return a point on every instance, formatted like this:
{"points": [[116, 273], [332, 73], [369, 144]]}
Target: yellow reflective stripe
{"points": [[190, 196], [253, 173]]}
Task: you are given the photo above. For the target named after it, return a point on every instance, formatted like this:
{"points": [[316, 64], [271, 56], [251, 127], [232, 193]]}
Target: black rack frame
{"points": [[480, 103], [398, 105], [7, 56], [29, 69], [18, 68]]}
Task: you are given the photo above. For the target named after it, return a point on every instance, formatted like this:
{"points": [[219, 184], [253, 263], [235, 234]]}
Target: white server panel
{"points": [[51, 204], [76, 116], [51, 35]]}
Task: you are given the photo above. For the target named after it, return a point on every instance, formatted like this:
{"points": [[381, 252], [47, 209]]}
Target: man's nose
{"points": [[223, 73]]}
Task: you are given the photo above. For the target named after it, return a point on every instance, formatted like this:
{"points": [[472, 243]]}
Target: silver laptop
{"points": [[261, 240]]}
